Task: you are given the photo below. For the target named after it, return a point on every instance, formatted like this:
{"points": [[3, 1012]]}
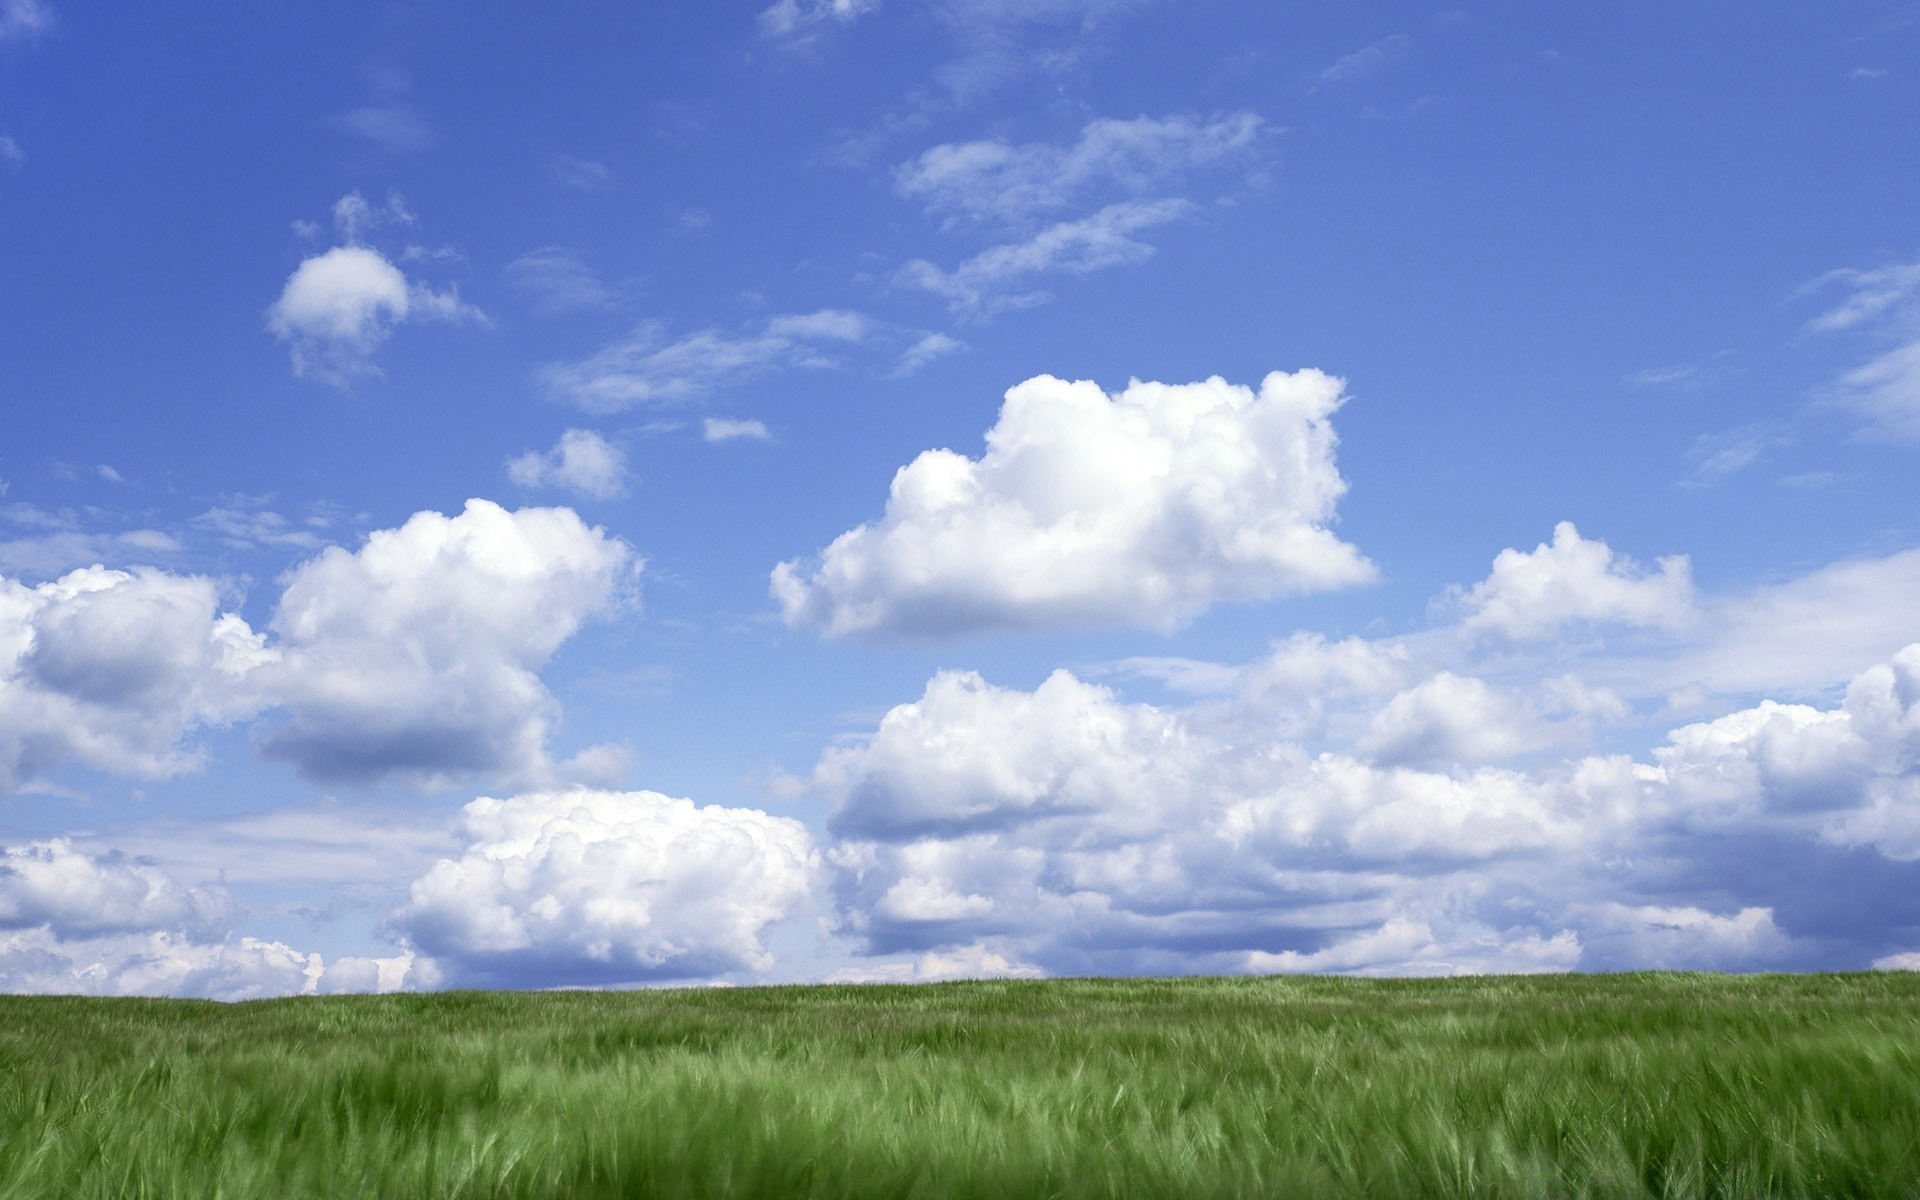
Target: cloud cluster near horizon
{"points": [[1433, 802]]}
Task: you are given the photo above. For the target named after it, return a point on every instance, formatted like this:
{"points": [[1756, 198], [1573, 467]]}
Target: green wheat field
{"points": [[1609, 1085]]}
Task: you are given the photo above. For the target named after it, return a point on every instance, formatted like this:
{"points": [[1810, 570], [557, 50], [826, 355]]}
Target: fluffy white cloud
{"points": [[72, 922], [111, 669], [590, 887], [1451, 718], [340, 305], [1535, 594], [75, 895], [1070, 830], [980, 285], [581, 461], [1090, 834], [418, 654], [649, 368], [997, 179], [1143, 508]]}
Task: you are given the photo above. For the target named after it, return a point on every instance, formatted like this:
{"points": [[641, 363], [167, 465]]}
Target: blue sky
{"points": [[893, 489]]}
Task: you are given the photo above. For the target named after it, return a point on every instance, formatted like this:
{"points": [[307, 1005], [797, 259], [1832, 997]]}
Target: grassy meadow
{"points": [[1612, 1085]]}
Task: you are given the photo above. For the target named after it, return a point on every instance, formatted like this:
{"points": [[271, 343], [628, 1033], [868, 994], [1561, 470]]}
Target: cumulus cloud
{"points": [[416, 656], [419, 653], [982, 285], [339, 306], [591, 887], [72, 922], [74, 895], [1071, 830], [111, 669], [649, 368], [999, 180], [1142, 508], [581, 461], [1537, 593]]}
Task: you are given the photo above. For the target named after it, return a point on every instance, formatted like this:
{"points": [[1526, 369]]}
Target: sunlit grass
{"points": [[1625, 1085]]}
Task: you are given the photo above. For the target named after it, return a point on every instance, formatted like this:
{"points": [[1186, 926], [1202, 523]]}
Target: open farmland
{"points": [[1612, 1085]]}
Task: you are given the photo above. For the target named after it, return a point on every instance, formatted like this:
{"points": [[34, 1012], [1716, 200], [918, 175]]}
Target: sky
{"points": [[888, 490]]}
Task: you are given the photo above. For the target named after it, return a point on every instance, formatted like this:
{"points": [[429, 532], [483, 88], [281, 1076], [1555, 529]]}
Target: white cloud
{"points": [[1143, 508], [1090, 834], [72, 922], [580, 174], [10, 150], [418, 654], [559, 281], [1882, 304], [929, 348], [721, 429], [581, 461], [1537, 593], [590, 887], [1368, 60], [24, 20], [66, 547], [995, 179], [1068, 829], [341, 305], [75, 895], [111, 669], [647, 368], [979, 286], [1450, 719], [1655, 937], [788, 17], [1798, 636]]}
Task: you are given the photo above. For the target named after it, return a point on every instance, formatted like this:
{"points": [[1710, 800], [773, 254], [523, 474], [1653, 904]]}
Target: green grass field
{"points": [[1624, 1085]]}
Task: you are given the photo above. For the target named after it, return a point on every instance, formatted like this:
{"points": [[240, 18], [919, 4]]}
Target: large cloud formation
{"points": [[1143, 508], [73, 922], [1288, 825], [110, 669], [593, 887], [416, 656]]}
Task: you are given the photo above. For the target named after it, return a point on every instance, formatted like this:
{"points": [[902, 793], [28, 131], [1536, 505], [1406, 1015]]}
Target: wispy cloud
{"points": [[786, 18], [648, 367], [580, 174], [559, 282], [1368, 60], [994, 179], [21, 20], [1882, 306], [388, 120], [721, 429], [985, 284]]}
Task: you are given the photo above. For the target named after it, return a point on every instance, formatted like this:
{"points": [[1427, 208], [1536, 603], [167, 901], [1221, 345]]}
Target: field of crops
{"points": [[1624, 1085]]}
